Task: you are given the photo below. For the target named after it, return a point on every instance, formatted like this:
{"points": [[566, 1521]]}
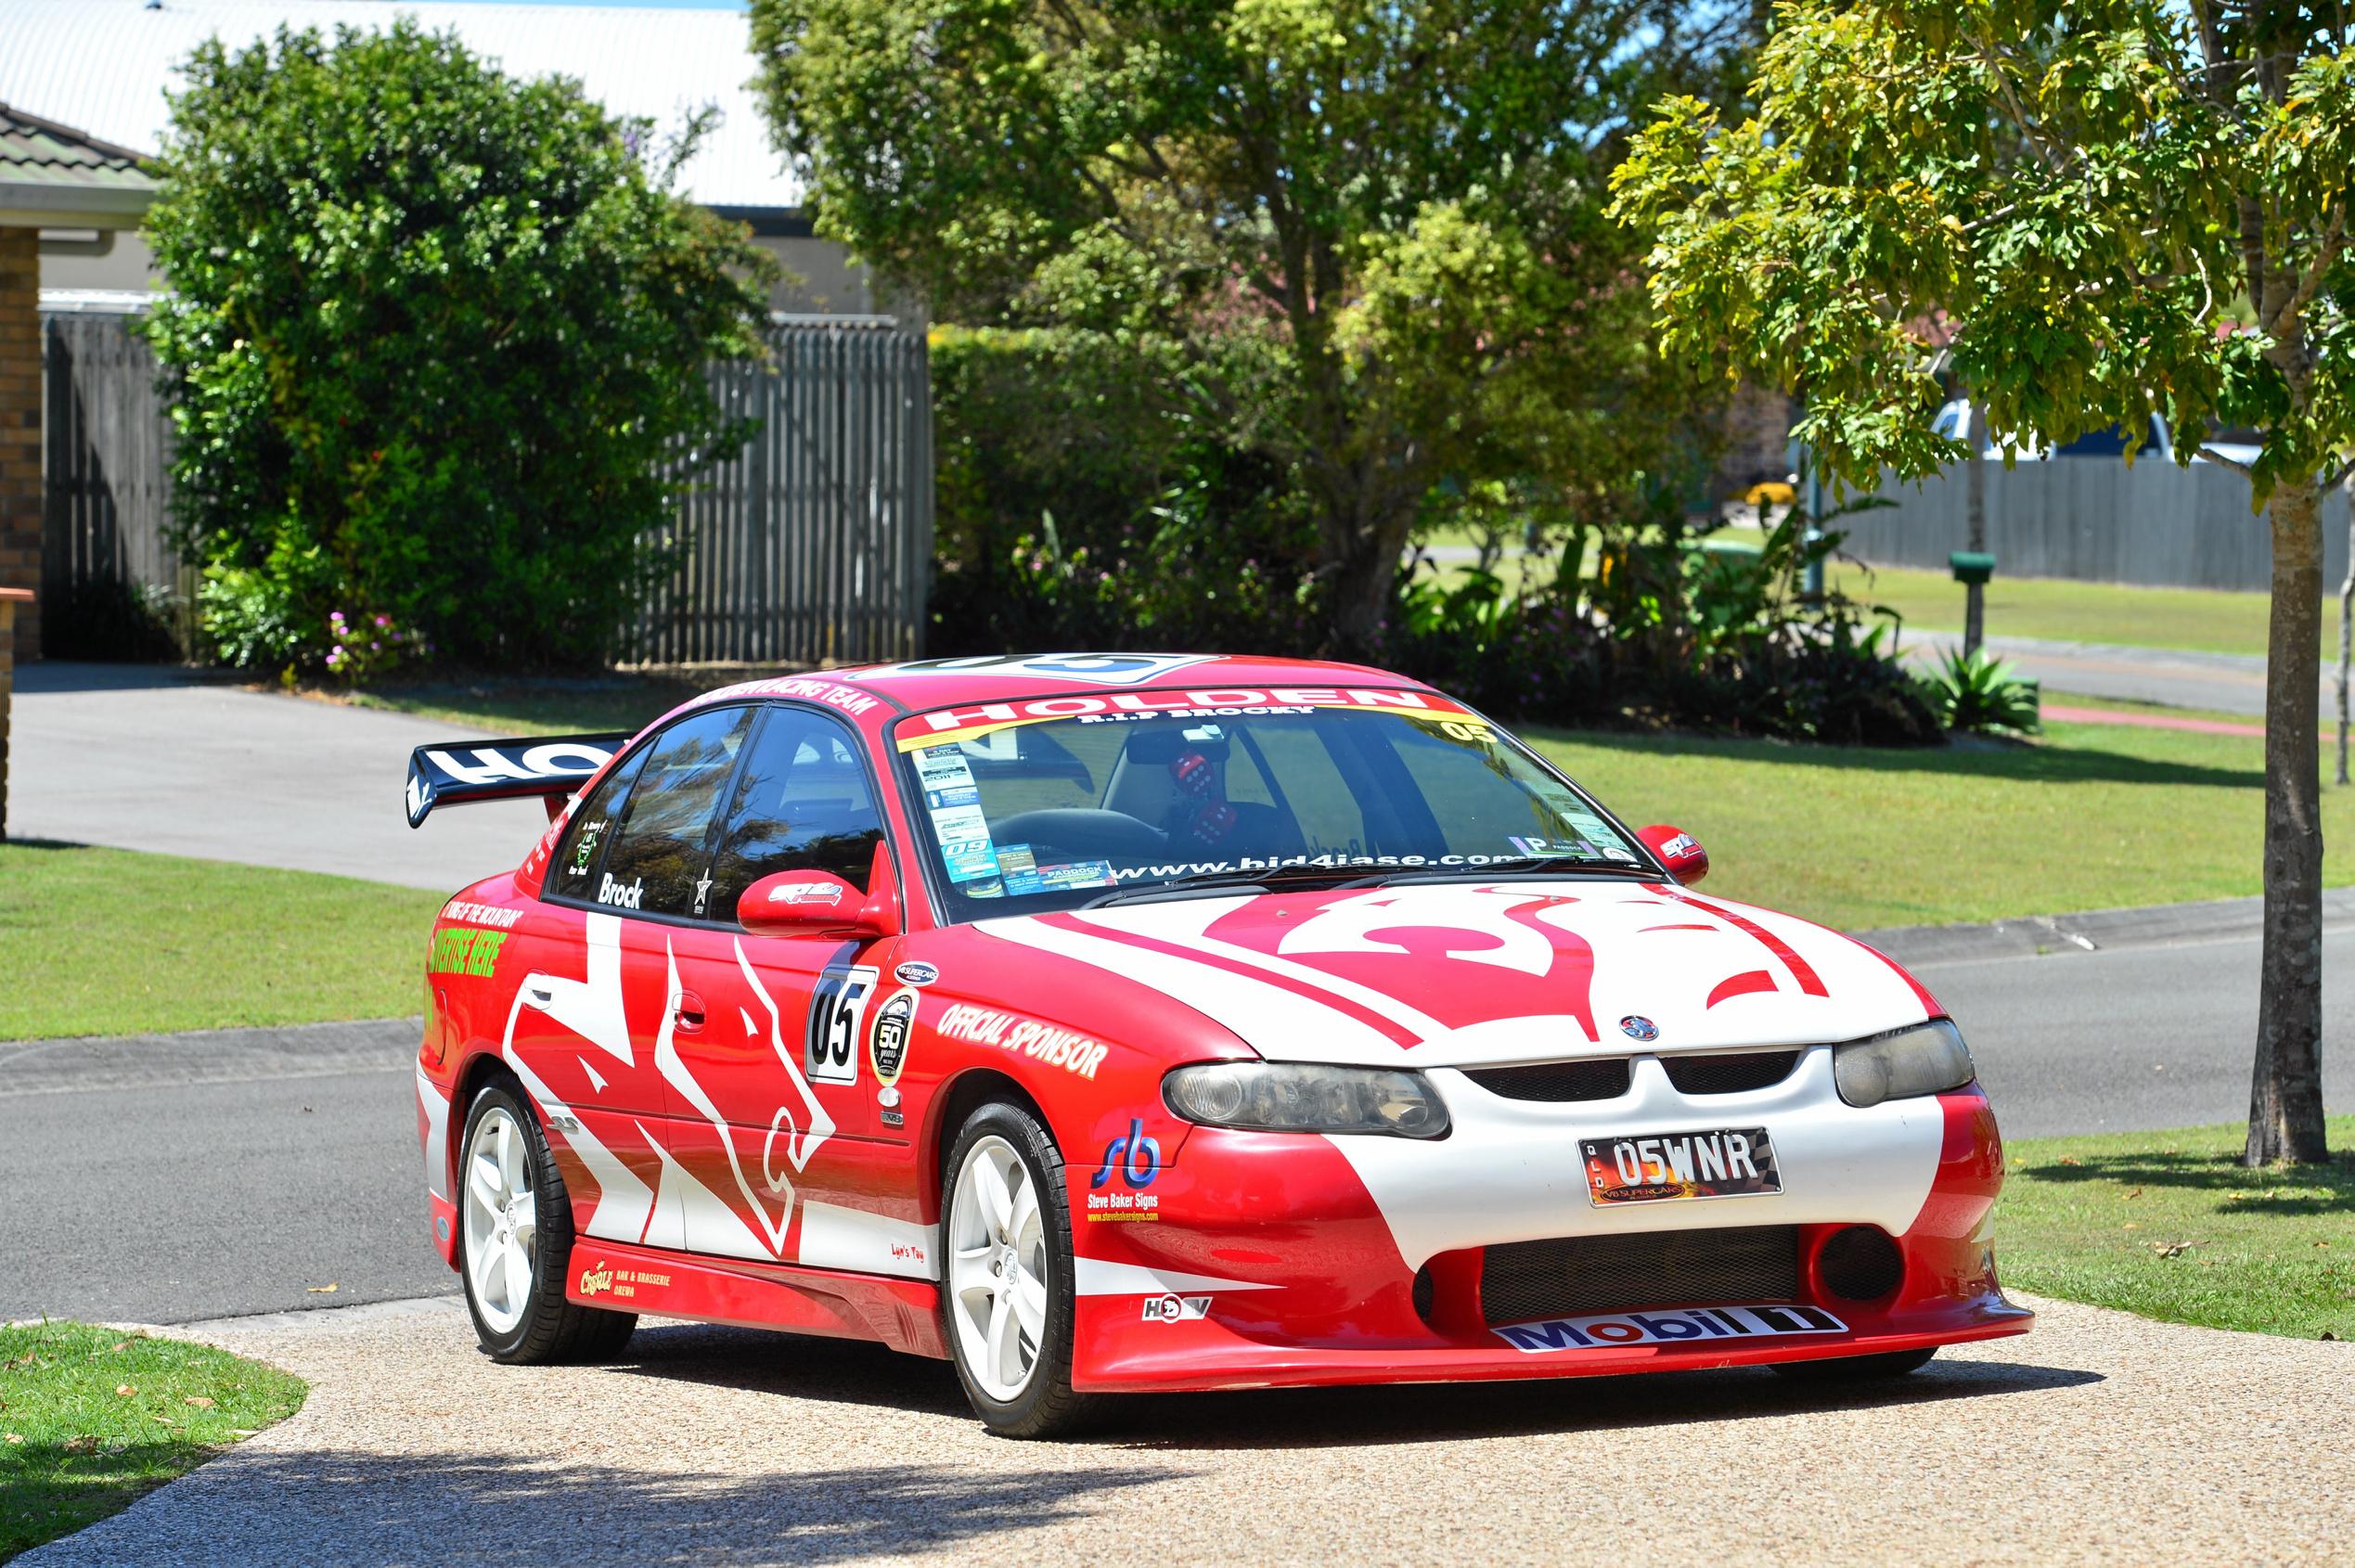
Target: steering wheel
{"points": [[1085, 830]]}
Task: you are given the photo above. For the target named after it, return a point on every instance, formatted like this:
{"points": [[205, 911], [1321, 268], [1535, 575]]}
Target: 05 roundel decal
{"points": [[887, 1041]]}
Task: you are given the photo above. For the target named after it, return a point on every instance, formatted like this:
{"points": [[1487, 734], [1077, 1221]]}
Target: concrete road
{"points": [[144, 758], [200, 1175], [178, 1179], [2130, 1037], [2095, 1438]]}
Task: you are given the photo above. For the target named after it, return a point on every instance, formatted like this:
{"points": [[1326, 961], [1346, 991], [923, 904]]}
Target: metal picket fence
{"points": [[812, 544]]}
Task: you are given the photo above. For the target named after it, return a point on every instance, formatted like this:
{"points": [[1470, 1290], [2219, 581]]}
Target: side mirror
{"points": [[821, 904], [1677, 850]]}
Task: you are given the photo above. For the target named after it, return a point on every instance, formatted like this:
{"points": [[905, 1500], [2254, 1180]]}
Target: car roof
{"points": [[879, 692]]}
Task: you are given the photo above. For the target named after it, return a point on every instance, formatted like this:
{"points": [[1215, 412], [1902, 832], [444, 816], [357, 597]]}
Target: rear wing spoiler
{"points": [[461, 772]]}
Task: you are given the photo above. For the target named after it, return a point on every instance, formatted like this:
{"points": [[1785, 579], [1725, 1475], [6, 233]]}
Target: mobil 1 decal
{"points": [[837, 1011], [887, 1042]]}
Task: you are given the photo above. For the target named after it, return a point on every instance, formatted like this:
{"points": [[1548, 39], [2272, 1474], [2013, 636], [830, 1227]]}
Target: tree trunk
{"points": [[2285, 1099], [1975, 535], [2346, 640], [1363, 555]]}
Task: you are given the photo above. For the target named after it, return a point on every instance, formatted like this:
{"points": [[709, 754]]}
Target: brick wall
{"points": [[20, 428]]}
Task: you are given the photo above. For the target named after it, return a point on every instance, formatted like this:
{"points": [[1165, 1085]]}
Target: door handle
{"points": [[689, 1009], [539, 993]]}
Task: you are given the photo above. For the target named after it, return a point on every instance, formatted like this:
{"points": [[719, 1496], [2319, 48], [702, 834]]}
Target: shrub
{"points": [[1665, 633], [1977, 692], [436, 335], [1082, 501]]}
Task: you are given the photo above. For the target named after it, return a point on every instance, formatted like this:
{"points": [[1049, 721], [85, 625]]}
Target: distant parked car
{"points": [[2158, 440]]}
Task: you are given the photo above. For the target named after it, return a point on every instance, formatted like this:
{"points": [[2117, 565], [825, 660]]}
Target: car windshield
{"points": [[1066, 801]]}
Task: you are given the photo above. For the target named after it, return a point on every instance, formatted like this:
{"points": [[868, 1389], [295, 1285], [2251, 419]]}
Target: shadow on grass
{"points": [[2038, 764], [870, 1376], [2317, 1190]]}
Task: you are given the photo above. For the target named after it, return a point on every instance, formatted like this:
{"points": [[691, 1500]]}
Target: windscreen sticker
{"points": [[1605, 839], [935, 730], [954, 804], [1075, 875], [1020, 867]]}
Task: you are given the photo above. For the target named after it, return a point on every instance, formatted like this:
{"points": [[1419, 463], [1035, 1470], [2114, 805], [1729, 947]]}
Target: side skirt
{"points": [[620, 1275]]}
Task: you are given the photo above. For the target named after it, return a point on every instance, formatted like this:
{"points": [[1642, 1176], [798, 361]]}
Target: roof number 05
{"points": [[837, 1011]]}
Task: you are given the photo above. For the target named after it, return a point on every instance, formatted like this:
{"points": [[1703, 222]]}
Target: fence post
{"points": [[9, 599]]}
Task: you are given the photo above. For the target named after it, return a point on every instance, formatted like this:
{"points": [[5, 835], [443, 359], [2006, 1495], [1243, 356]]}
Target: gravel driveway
{"points": [[2097, 1438]]}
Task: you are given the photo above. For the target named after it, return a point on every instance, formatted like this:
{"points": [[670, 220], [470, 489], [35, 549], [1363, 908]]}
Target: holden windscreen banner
{"points": [[497, 770]]}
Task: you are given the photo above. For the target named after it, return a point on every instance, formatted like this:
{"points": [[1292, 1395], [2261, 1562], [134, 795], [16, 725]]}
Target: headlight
{"points": [[1298, 1097], [1927, 1059]]}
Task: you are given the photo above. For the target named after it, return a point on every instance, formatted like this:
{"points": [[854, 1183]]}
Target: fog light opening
{"points": [[1861, 1263]]}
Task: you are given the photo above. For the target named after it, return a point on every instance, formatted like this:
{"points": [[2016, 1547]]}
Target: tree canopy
{"points": [[2084, 211], [436, 333], [1381, 223]]}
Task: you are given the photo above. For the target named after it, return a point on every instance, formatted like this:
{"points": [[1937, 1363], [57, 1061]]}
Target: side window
{"points": [[572, 871], [655, 862], [803, 802]]}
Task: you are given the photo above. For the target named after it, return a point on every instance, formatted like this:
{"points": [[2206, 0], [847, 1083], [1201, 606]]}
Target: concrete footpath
{"points": [[2097, 1438], [2227, 683]]}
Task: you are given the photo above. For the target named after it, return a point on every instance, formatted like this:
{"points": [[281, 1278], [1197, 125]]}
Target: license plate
{"points": [[1651, 1167]]}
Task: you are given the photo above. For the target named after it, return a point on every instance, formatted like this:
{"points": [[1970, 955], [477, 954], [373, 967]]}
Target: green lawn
{"points": [[2043, 607], [2170, 1225], [90, 1419], [109, 942], [2091, 817]]}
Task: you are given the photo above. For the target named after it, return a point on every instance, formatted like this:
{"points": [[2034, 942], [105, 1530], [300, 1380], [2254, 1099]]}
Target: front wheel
{"points": [[1857, 1368], [1008, 1302], [515, 1241]]}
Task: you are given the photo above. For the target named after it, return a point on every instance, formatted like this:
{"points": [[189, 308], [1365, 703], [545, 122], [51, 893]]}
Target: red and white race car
{"points": [[1121, 1022]]}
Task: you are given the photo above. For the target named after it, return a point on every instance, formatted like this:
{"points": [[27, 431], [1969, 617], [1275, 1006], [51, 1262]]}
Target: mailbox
{"points": [[1971, 566]]}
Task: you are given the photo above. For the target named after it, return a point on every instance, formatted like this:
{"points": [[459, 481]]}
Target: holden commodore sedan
{"points": [[1105, 1024]]}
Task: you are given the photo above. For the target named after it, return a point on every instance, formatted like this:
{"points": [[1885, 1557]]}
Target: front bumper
{"points": [[1276, 1260]]}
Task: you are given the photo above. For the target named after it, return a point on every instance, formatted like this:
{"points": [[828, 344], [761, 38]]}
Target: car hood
{"points": [[1461, 973]]}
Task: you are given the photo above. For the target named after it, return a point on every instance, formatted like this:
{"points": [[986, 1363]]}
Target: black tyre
{"points": [[1857, 1368], [515, 1241], [1006, 1302]]}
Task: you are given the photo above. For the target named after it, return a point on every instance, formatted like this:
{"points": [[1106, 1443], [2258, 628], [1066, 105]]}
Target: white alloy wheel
{"points": [[502, 1220], [998, 1269]]}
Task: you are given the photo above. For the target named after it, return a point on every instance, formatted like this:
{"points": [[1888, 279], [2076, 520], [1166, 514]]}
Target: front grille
{"points": [[1573, 1275], [1560, 1082], [1729, 1074]]}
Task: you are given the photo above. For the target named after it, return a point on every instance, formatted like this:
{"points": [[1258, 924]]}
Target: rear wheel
{"points": [[1857, 1368], [515, 1241], [1009, 1304]]}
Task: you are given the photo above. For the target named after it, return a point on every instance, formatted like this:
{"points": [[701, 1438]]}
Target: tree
{"points": [[2125, 204], [436, 335], [1382, 222]]}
